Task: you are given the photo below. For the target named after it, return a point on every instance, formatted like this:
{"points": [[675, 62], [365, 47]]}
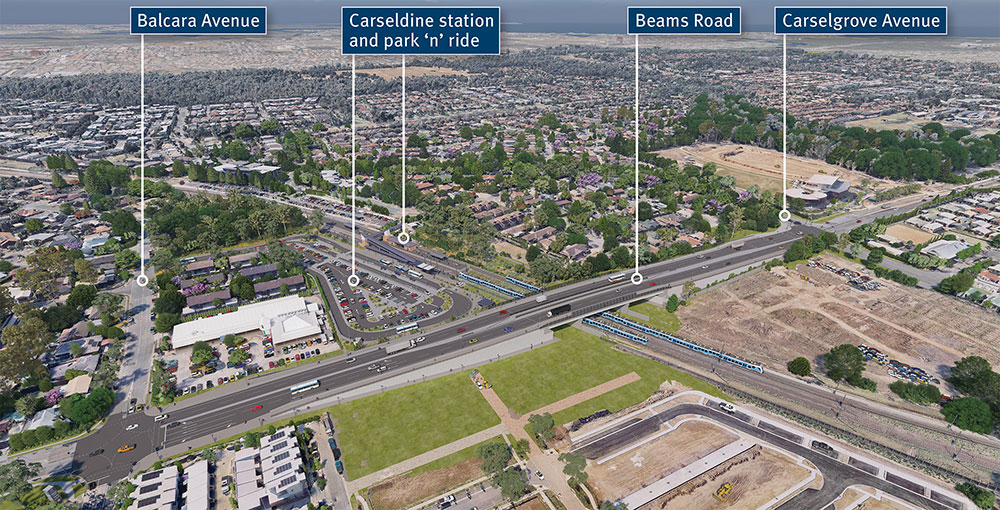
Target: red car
{"points": [[257, 407], [413, 295], [460, 330], [652, 284], [220, 381], [503, 312]]}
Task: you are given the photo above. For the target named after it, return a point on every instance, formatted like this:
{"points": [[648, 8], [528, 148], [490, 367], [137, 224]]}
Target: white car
{"points": [[419, 339], [727, 407], [132, 426]]}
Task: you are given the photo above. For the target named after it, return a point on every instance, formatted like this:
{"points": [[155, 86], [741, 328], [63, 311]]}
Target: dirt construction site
{"points": [[713, 455], [775, 316], [753, 165]]}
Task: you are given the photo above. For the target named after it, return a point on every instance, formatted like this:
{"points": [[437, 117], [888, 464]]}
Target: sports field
{"points": [[577, 362], [381, 430]]}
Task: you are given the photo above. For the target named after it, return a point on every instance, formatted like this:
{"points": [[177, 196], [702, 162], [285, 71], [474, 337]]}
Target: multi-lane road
{"points": [[211, 414]]}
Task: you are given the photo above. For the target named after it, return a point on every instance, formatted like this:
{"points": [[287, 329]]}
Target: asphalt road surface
{"points": [[210, 414], [837, 476]]}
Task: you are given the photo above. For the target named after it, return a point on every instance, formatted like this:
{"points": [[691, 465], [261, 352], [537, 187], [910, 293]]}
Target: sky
{"points": [[978, 18]]}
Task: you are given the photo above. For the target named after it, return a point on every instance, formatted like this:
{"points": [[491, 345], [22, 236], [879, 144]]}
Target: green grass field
{"points": [[659, 317], [577, 362], [384, 429]]}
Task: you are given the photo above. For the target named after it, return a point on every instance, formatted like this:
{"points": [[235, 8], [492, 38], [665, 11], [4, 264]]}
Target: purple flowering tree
{"points": [[53, 396]]}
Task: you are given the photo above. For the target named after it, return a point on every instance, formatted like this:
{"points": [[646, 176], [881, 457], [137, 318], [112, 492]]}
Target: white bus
{"points": [[414, 274], [617, 278], [306, 386], [406, 327]]}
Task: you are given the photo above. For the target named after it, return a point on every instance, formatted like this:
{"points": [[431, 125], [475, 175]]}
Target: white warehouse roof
{"points": [[246, 318]]}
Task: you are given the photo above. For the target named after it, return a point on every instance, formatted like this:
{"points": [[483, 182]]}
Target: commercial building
{"points": [[945, 249], [270, 476], [266, 316], [819, 190]]}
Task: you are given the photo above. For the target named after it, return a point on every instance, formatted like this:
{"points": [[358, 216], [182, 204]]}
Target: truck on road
{"points": [[402, 346], [558, 310], [737, 245]]}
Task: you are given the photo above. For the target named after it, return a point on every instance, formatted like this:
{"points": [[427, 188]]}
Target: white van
{"points": [[160, 417]]}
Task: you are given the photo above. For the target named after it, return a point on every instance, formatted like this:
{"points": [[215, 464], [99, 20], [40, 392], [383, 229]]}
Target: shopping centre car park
{"points": [[275, 333]]}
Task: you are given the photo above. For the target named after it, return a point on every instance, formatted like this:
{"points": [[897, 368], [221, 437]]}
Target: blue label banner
{"points": [[684, 20], [420, 30], [861, 20], [198, 20]]}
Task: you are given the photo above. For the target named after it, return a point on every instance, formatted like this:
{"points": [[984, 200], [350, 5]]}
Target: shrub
{"points": [[800, 366]]}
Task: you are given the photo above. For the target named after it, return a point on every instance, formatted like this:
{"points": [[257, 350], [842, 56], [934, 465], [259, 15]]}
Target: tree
{"points": [[26, 405], [542, 425], [844, 361], [33, 225], [109, 303], [166, 321], [14, 478], [796, 251], [875, 257], [533, 252], [75, 350], [126, 259], [238, 356], [170, 301], [956, 284], [57, 180], [84, 270], [800, 366], [24, 344], [495, 457], [969, 413], [513, 483], [575, 467], [983, 499], [201, 353], [920, 393], [82, 296], [673, 303], [974, 376], [87, 411]]}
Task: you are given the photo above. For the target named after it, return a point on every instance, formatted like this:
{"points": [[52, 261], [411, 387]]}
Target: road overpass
{"points": [[206, 417]]}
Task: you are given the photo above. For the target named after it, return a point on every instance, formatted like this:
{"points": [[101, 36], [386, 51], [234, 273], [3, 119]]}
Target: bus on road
{"points": [[384, 262], [414, 274], [406, 327], [617, 278], [306, 386]]}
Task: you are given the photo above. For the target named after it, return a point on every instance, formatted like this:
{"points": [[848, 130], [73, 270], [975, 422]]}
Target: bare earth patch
{"points": [[635, 469], [757, 475], [754, 165], [404, 491], [908, 233], [774, 316]]}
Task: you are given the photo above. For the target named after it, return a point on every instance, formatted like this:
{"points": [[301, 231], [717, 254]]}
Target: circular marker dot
{"points": [[636, 278], [784, 215], [403, 238], [353, 280], [142, 280]]}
